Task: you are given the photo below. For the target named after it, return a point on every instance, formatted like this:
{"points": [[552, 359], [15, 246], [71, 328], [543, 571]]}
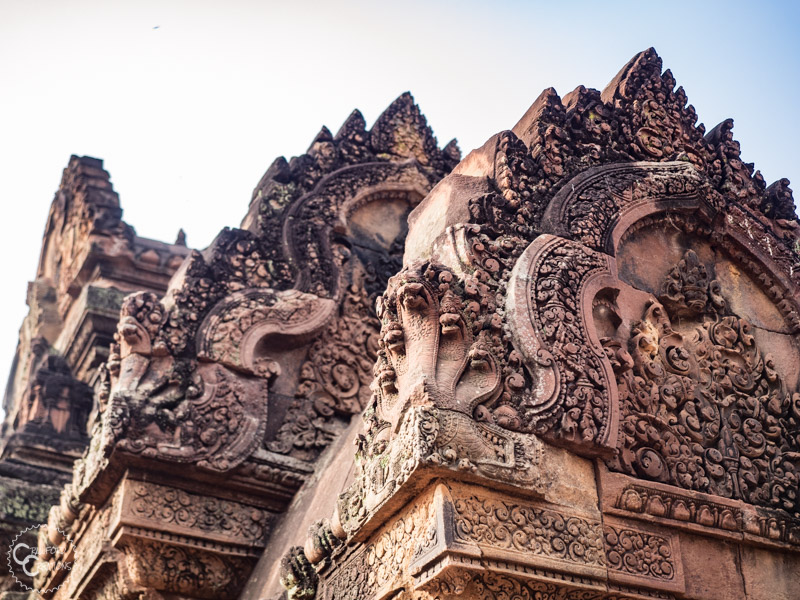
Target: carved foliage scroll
{"points": [[234, 328], [639, 553], [702, 405], [529, 529], [573, 397], [185, 570], [588, 207], [174, 509], [334, 379]]}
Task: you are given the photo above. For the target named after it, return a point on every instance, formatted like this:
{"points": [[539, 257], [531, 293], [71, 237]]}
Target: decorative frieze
{"points": [[529, 529]]}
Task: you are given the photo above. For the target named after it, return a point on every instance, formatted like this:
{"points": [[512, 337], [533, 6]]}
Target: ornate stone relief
{"points": [[639, 557], [55, 402], [452, 535], [175, 409], [702, 406], [530, 530], [182, 570], [521, 326], [381, 563], [232, 330], [281, 304], [518, 321], [545, 182], [501, 586], [174, 509], [573, 391], [588, 209], [334, 379], [189, 380], [85, 213]]}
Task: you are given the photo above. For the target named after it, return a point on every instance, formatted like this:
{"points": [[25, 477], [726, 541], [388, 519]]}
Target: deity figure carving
{"points": [[702, 406]]}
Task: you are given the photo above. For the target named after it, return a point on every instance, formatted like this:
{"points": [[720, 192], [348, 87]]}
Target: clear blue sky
{"points": [[188, 102]]}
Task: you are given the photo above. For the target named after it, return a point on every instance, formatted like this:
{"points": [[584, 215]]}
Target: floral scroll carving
{"points": [[177, 508], [639, 553], [184, 570], [231, 332], [590, 206], [573, 396], [382, 562], [529, 529], [702, 405], [334, 379]]}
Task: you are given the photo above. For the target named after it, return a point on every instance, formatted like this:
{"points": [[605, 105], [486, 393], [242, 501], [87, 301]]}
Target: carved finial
{"points": [[779, 202], [452, 152], [402, 131], [298, 576], [641, 69], [181, 239], [353, 125], [324, 135]]}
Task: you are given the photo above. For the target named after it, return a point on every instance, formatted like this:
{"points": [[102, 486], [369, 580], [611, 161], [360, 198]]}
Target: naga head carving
{"points": [[158, 403], [429, 353]]}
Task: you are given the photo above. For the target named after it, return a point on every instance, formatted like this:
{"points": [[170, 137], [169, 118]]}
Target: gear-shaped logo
{"points": [[24, 559]]}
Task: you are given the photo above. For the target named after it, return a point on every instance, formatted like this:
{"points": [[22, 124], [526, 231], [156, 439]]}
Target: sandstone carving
{"points": [[568, 364], [245, 370], [703, 407], [605, 278]]}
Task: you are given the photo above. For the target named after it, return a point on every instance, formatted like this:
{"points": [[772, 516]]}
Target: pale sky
{"points": [[188, 102]]}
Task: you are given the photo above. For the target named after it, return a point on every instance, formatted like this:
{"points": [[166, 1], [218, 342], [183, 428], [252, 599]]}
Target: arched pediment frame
{"points": [[613, 234]]}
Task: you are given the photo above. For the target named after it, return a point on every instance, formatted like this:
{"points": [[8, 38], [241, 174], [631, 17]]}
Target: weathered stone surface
{"points": [[581, 382], [90, 261], [609, 279], [217, 399]]}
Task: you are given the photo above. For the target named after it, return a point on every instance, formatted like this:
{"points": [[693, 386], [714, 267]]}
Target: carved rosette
{"points": [[640, 557]]}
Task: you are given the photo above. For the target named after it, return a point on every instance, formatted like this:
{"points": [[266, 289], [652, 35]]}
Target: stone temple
{"points": [[566, 366]]}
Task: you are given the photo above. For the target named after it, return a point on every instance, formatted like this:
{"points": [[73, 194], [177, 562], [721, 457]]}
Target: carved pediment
{"points": [[608, 279], [189, 380], [225, 390], [702, 405]]}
